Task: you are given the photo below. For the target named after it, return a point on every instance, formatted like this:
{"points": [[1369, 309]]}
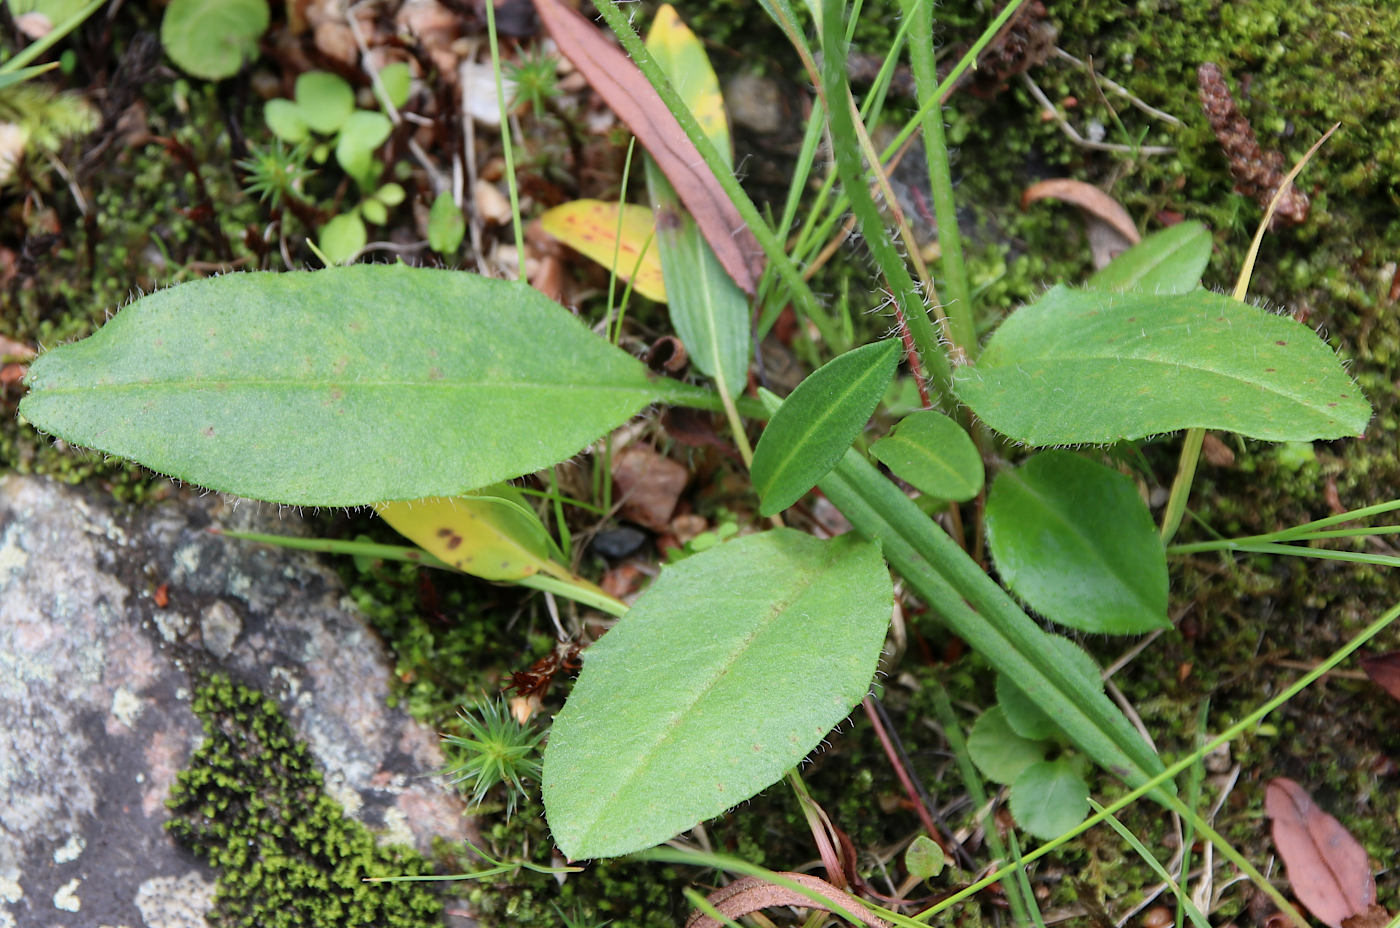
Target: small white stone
{"points": [[66, 898], [70, 850], [220, 627], [126, 706]]}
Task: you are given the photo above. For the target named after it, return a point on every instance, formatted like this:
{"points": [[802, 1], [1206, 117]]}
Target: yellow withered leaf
{"points": [[682, 56], [590, 227], [485, 536]]}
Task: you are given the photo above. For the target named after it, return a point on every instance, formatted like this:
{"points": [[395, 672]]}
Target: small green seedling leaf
{"points": [[325, 100], [1169, 261], [446, 227], [483, 535], [725, 674], [374, 211], [286, 121], [1089, 366], [342, 237], [341, 387], [817, 423], [924, 859], [397, 80], [391, 194], [1074, 540], [933, 454], [1049, 798], [998, 751], [213, 39], [361, 134]]}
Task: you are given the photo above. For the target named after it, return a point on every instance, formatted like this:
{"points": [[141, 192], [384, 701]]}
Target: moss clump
{"points": [[251, 803]]}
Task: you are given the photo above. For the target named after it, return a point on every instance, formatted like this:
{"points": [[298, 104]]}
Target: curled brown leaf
{"points": [[750, 894], [623, 87], [1328, 869], [1088, 198]]}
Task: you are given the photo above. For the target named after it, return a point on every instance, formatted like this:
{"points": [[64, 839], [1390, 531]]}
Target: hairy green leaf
{"points": [[339, 387], [1087, 366], [1073, 538], [933, 454], [1169, 261], [817, 423], [725, 674]]}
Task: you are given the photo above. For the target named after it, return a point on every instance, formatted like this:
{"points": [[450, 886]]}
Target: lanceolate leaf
{"points": [[818, 422], [485, 536], [709, 311], [682, 57], [933, 454], [1074, 539], [726, 673], [1087, 366], [1169, 261], [340, 387]]}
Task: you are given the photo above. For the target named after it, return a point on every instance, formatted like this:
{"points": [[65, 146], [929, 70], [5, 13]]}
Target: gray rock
{"points": [[95, 682]]}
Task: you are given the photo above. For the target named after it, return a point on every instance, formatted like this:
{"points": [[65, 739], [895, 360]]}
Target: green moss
{"points": [[252, 804]]}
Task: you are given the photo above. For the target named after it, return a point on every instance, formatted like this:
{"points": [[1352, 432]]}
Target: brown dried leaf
{"points": [[622, 86], [1216, 452], [17, 350], [1088, 198], [649, 486], [1384, 671], [1327, 867], [750, 894], [1374, 917]]}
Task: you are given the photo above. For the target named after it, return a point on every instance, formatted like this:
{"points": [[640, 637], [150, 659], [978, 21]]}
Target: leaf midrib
{"points": [[667, 732], [1129, 360]]}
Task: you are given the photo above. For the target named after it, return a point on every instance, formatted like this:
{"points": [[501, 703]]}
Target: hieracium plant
{"points": [[423, 392]]}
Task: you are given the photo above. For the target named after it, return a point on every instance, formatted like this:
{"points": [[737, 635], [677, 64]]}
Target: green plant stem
{"points": [[962, 330], [406, 553], [620, 25], [1304, 532], [1195, 777], [507, 148], [980, 612], [1181, 483], [617, 242], [1225, 737], [848, 165], [53, 37], [1197, 918], [1323, 554], [676, 393], [582, 591], [972, 782], [867, 148]]}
